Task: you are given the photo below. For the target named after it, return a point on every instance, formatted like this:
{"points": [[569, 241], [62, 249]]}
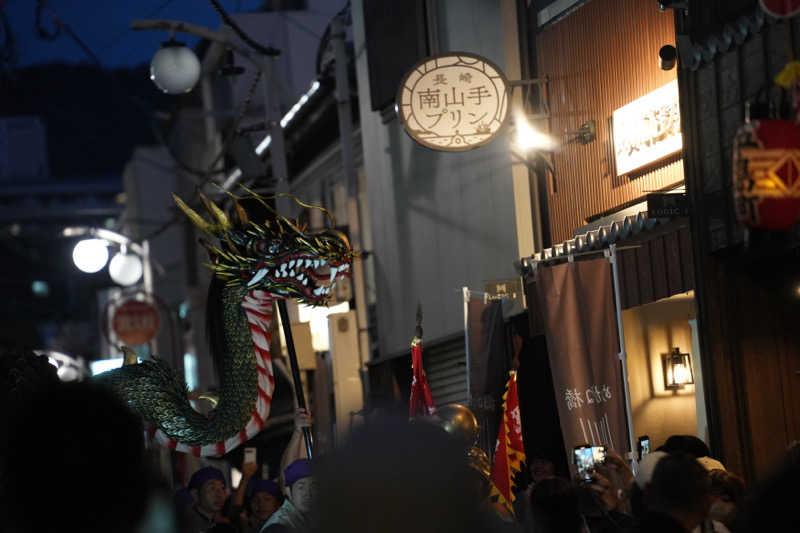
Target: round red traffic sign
{"points": [[135, 322], [781, 8]]}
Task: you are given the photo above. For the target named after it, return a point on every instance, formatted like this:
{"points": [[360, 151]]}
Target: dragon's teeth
{"points": [[292, 274], [333, 273], [277, 274], [258, 277], [308, 263], [291, 263]]}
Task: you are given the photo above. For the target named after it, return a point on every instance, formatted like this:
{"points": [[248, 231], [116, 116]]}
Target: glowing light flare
{"points": [[528, 138], [680, 374]]}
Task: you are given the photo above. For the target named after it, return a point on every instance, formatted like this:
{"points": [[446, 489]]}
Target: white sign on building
{"points": [[453, 102], [648, 129]]}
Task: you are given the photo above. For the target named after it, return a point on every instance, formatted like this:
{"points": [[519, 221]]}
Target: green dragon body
{"points": [[254, 264]]}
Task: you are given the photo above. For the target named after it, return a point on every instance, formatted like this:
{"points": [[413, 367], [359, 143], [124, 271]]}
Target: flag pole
{"points": [[298, 384]]}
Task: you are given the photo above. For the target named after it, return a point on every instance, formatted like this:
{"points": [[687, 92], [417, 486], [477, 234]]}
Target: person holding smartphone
{"points": [[604, 495]]}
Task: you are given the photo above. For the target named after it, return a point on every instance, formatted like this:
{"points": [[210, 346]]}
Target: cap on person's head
{"points": [[297, 470], [263, 485], [710, 464], [206, 473], [644, 472], [686, 444]]}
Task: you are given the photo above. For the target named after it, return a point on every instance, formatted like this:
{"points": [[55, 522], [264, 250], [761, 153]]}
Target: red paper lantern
{"points": [[766, 173], [781, 8]]}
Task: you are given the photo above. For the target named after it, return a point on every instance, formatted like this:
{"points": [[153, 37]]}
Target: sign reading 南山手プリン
{"points": [[453, 102], [647, 129]]}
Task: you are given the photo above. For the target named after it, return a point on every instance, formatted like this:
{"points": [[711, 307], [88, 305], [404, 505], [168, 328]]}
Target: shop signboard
{"points": [[453, 102], [647, 130], [667, 205], [135, 322]]}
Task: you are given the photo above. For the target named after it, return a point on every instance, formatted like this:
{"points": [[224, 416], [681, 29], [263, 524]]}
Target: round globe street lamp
{"points": [[125, 269], [175, 68], [90, 255]]}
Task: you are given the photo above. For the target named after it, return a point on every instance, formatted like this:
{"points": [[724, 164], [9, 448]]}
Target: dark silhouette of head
{"points": [[688, 444], [75, 462], [680, 488], [555, 506], [774, 502], [394, 476]]}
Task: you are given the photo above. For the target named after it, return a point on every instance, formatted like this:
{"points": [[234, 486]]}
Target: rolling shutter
{"points": [[446, 367]]}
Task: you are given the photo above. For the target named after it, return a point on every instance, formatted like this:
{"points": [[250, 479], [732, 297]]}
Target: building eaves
{"points": [[629, 228]]}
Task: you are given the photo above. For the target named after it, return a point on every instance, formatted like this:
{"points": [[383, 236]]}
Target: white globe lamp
{"points": [[90, 255], [125, 269], [175, 68]]}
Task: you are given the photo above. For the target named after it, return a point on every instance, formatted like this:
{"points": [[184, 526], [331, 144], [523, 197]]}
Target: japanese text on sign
{"points": [[453, 102], [594, 394], [647, 129]]}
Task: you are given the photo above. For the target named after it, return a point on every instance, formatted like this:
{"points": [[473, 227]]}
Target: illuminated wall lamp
{"points": [[677, 370]]}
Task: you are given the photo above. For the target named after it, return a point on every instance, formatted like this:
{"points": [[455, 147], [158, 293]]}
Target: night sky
{"points": [[104, 27]]}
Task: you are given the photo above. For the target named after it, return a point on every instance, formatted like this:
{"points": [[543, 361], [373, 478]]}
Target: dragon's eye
{"points": [[260, 247]]}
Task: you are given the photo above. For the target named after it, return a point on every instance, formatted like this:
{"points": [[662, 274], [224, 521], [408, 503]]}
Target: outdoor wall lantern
{"points": [[677, 369], [175, 68]]}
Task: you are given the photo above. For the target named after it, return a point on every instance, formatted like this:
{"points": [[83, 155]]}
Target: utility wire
{"points": [[261, 49], [121, 37]]}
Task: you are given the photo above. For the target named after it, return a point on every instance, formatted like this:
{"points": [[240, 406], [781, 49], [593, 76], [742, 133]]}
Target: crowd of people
{"points": [[72, 457]]}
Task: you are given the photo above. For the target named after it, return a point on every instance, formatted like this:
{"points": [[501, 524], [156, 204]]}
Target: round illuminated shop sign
{"points": [[453, 102]]}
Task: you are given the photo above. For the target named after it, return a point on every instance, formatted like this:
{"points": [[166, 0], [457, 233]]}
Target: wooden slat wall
{"points": [[599, 58], [660, 267]]}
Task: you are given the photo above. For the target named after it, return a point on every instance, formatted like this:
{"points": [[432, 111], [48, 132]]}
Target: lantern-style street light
{"points": [[91, 254], [175, 68]]}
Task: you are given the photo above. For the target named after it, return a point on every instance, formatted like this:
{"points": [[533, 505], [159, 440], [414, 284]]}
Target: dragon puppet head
{"points": [[276, 255]]}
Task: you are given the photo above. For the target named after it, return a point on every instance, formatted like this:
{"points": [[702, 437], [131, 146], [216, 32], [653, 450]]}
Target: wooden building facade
{"points": [[598, 59], [604, 55], [747, 282]]}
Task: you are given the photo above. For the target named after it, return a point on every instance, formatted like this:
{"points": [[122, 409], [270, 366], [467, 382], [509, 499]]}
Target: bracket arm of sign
{"points": [[531, 81]]}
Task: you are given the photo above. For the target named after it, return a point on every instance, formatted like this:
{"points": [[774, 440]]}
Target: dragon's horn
{"points": [[241, 213], [215, 212], [196, 219]]}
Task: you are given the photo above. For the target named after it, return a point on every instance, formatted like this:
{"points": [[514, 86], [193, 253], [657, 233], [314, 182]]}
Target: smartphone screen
{"points": [[249, 455], [583, 457], [644, 446]]}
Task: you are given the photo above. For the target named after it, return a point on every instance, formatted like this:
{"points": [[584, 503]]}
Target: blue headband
{"points": [[205, 474], [297, 470], [263, 485]]}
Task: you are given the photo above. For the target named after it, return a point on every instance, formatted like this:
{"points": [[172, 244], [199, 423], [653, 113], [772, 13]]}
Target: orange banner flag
{"points": [[509, 452]]}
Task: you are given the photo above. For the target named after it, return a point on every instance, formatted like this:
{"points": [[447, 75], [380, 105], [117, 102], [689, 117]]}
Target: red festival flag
{"points": [[421, 403], [509, 452]]}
